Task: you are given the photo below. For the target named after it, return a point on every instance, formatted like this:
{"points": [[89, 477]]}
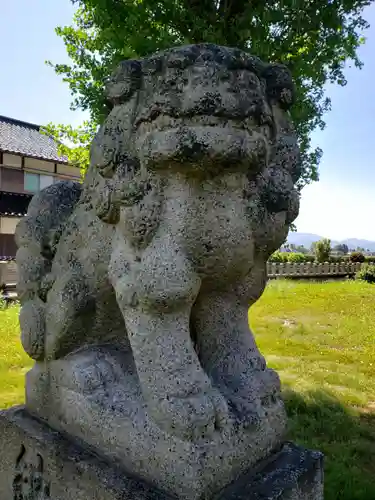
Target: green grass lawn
{"points": [[14, 362], [320, 337]]}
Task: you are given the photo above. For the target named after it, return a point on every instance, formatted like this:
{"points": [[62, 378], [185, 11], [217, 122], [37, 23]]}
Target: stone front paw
{"points": [[246, 412], [193, 416], [88, 372], [250, 404]]}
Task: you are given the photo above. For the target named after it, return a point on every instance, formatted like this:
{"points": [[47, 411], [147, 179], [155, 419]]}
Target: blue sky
{"points": [[340, 205]]}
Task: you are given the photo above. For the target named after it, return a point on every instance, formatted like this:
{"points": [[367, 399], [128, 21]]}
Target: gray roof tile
{"points": [[26, 139]]}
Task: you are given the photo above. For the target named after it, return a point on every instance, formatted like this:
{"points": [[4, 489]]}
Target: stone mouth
{"points": [[204, 142], [165, 123]]}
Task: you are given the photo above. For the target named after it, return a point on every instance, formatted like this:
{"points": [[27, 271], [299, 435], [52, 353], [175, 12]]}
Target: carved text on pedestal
{"points": [[29, 482]]}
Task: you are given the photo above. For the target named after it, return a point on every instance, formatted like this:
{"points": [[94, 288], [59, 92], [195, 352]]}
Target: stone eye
{"points": [[124, 82], [152, 66], [178, 61]]}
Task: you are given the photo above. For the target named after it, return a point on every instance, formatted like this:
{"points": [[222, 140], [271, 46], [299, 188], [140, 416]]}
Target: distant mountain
{"points": [[307, 239], [355, 242]]}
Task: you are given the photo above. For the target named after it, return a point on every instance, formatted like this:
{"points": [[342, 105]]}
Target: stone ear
{"points": [[125, 80], [279, 85], [106, 209]]}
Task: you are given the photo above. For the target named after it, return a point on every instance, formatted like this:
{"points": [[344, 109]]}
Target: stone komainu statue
{"points": [[135, 286]]}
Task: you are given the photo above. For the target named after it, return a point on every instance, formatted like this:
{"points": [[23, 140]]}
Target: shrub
{"points": [[338, 258], [293, 257], [335, 259], [322, 250], [278, 257], [370, 259], [296, 257], [366, 273], [357, 257], [310, 258]]}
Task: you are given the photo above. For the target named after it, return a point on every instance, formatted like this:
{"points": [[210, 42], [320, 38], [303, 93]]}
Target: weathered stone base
{"points": [[293, 473], [38, 462]]}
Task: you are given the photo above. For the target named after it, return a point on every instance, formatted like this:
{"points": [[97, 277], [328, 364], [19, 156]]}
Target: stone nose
{"points": [[226, 103]]}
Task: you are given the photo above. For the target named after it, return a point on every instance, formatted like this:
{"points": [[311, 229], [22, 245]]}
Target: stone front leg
{"points": [[69, 314], [156, 295], [228, 351]]}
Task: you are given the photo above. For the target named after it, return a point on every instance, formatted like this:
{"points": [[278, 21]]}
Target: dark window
{"points": [[8, 247], [12, 180], [14, 203]]}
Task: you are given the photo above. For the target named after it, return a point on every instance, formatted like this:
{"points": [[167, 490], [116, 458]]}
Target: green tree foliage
{"points": [[366, 273], [357, 257], [322, 250], [313, 38], [341, 248], [74, 143]]}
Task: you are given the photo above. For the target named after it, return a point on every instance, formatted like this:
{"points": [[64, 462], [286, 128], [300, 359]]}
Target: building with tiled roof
{"points": [[24, 138], [29, 162]]}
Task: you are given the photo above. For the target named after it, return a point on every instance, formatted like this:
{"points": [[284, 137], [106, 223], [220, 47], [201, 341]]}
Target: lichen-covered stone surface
{"points": [[135, 287]]}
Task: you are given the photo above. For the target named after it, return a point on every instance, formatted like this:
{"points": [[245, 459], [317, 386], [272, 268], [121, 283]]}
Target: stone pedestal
{"points": [[38, 463]]}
